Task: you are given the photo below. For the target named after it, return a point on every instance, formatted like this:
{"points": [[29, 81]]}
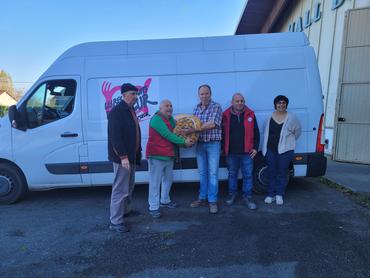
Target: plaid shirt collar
{"points": [[211, 102]]}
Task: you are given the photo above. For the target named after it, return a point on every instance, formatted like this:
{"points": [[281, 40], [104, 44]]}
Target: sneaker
{"points": [[155, 213], [199, 203], [170, 205], [279, 200], [213, 208], [231, 200], [269, 200], [119, 228], [249, 202]]}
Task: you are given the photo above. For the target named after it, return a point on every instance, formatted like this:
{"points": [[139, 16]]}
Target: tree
{"points": [[3, 110], [6, 83], [18, 93]]}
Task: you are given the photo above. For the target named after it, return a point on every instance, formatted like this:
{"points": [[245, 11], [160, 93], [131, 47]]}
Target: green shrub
{"points": [[3, 110]]}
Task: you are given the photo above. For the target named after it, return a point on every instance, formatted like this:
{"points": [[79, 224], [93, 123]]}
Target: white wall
{"points": [[362, 3], [325, 36], [6, 100]]}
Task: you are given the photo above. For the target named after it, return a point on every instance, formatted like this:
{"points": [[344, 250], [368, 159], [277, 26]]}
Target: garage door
{"points": [[353, 109]]}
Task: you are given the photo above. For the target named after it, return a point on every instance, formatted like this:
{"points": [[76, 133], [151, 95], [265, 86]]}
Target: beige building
{"points": [[339, 31], [6, 100]]}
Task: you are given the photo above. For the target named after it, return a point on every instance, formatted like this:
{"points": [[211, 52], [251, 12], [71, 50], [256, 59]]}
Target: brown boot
{"points": [[199, 203], [213, 208]]}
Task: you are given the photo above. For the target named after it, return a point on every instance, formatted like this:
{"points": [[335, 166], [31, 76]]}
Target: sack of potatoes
{"points": [[184, 121]]}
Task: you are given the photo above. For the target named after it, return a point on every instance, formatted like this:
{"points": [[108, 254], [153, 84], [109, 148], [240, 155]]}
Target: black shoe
{"points": [[213, 207], [231, 200], [155, 213], [170, 205], [250, 203], [119, 228]]}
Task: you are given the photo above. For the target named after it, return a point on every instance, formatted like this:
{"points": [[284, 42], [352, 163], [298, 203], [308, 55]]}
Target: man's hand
{"points": [[252, 153], [125, 163], [186, 131], [189, 142], [208, 125]]}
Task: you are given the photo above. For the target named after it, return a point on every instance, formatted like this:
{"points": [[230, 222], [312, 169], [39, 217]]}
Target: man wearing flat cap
{"points": [[124, 150]]}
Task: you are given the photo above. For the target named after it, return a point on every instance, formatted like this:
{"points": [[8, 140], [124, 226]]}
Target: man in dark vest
{"points": [[124, 150], [160, 151], [241, 139]]}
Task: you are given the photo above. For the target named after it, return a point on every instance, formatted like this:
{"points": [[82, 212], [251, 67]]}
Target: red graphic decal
{"points": [[141, 105]]}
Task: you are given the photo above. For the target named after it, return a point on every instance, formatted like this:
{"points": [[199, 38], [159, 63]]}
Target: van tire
{"points": [[12, 184], [260, 175]]}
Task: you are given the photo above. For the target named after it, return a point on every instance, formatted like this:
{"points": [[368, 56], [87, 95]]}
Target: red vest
{"points": [[248, 129], [157, 145]]}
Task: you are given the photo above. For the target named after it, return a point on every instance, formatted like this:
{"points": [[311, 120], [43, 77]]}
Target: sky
{"points": [[35, 32]]}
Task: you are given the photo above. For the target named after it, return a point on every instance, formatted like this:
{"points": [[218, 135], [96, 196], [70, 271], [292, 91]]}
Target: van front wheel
{"points": [[12, 184]]}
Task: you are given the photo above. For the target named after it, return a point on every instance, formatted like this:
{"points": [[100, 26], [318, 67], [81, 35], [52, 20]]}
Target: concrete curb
{"points": [[362, 198]]}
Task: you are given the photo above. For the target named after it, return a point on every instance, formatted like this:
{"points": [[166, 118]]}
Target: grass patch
{"points": [[359, 198]]}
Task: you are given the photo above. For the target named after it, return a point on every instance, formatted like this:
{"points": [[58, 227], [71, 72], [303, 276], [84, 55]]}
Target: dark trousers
{"points": [[278, 169]]}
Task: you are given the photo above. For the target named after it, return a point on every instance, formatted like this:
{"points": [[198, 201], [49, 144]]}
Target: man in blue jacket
{"points": [[124, 150]]}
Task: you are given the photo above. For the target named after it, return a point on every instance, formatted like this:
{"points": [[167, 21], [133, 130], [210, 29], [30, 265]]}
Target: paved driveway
{"points": [[317, 233]]}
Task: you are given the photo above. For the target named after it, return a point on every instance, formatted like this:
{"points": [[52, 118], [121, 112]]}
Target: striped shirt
{"points": [[211, 113]]}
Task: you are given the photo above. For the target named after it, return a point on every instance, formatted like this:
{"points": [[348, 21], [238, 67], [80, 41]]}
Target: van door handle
{"points": [[341, 119], [69, 134]]}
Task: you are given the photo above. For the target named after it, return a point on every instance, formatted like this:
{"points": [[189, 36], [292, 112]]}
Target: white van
{"points": [[56, 136]]}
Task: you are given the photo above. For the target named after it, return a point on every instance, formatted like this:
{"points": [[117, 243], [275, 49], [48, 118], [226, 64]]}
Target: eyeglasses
{"points": [[281, 102]]}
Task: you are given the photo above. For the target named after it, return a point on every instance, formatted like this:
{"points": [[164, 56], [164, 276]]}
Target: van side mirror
{"points": [[17, 117]]}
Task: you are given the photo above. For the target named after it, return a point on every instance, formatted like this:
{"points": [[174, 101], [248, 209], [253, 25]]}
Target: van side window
{"points": [[51, 101]]}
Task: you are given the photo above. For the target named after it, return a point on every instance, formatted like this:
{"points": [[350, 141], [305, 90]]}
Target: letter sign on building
{"points": [[299, 24], [336, 4], [317, 14], [307, 19]]}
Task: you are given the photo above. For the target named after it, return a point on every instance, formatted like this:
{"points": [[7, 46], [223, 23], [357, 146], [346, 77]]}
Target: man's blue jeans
{"points": [[278, 167], [245, 163], [208, 158]]}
